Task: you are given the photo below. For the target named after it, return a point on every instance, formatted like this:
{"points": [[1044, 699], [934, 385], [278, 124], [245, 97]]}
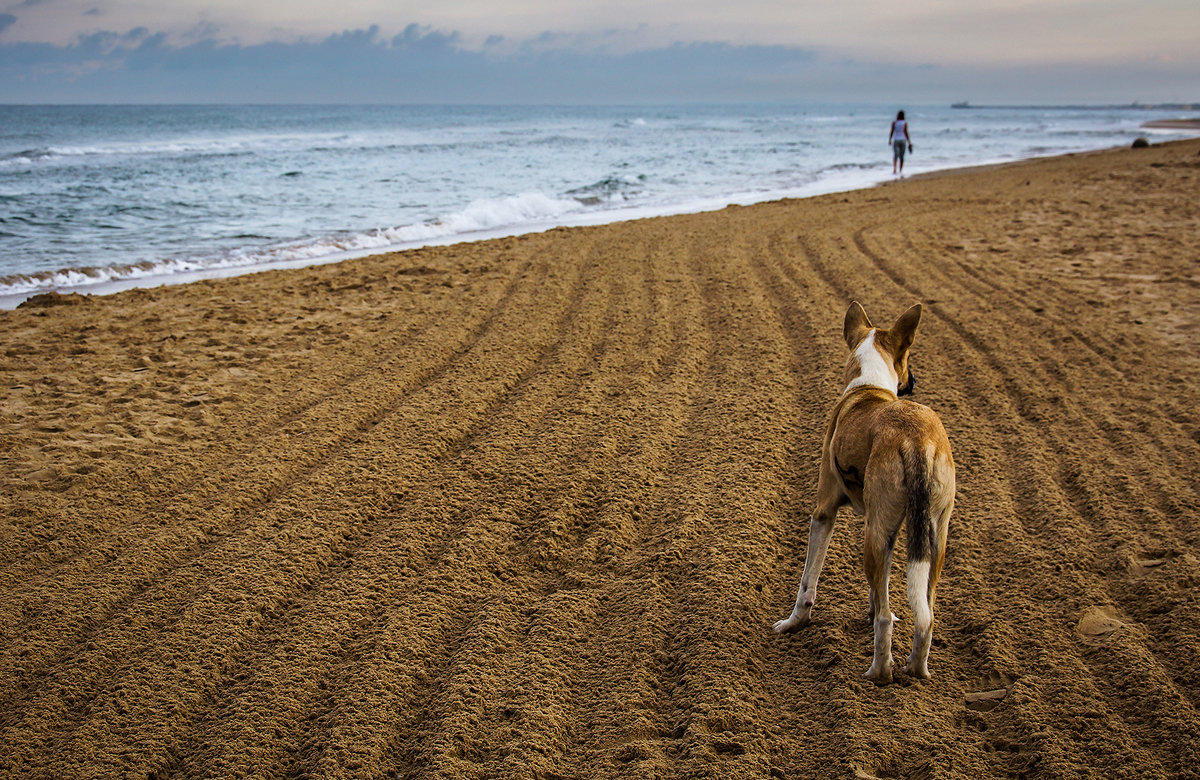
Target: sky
{"points": [[599, 51]]}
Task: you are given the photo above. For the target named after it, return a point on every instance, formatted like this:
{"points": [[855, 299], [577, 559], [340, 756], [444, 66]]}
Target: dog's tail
{"points": [[922, 534]]}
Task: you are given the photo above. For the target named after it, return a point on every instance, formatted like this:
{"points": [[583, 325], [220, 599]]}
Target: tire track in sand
{"points": [[655, 709]]}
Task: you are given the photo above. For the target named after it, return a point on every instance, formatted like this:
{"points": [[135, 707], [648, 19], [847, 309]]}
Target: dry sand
{"points": [[528, 507]]}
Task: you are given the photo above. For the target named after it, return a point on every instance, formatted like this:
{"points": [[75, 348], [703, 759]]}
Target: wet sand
{"points": [[529, 507]]}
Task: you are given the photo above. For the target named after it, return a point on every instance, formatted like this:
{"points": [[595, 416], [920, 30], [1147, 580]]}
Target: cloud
{"points": [[416, 36], [6, 21], [423, 64]]}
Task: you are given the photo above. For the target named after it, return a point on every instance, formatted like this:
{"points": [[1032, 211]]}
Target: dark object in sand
{"points": [[1141, 143], [44, 300]]}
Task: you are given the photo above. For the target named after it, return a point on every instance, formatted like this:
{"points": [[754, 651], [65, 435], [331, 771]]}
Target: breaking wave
{"points": [[526, 211], [609, 190]]}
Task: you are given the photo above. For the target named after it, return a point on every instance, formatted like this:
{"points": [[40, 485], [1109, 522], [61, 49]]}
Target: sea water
{"points": [[93, 198]]}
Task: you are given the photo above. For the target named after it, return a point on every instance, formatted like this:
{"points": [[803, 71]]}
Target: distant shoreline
{"points": [[1173, 124], [1084, 107]]}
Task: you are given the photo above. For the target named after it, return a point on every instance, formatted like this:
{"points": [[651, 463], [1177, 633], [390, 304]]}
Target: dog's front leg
{"points": [[818, 544], [829, 498]]}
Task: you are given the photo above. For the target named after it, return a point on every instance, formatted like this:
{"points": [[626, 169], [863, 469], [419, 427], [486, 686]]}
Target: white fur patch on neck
{"points": [[874, 369]]}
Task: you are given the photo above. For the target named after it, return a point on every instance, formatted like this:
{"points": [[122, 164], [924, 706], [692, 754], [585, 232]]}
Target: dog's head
{"points": [[879, 357]]}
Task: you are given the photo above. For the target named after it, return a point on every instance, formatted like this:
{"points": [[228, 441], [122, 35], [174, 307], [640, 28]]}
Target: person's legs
{"points": [[898, 155]]}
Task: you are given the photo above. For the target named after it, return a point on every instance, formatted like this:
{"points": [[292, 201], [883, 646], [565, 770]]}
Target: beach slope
{"points": [[529, 507]]}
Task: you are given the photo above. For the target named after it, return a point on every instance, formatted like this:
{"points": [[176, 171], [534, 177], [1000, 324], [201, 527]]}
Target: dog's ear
{"points": [[856, 326], [902, 333]]}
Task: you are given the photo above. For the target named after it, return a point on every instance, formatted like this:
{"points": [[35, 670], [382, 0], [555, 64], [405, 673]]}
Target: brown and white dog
{"points": [[889, 459]]}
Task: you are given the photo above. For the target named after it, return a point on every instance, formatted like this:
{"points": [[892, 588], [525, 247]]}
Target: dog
{"points": [[890, 460]]}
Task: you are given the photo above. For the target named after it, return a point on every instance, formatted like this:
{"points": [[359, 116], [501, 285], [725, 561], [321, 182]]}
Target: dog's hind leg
{"points": [[920, 601], [922, 584], [879, 545], [885, 511], [929, 478], [829, 498]]}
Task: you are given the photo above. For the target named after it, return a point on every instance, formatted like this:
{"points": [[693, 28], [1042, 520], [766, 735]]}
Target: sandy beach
{"points": [[527, 508]]}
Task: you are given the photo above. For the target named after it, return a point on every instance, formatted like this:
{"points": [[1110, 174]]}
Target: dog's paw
{"points": [[917, 670], [880, 674], [788, 625]]}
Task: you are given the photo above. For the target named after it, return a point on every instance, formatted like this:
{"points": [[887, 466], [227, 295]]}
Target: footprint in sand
{"points": [[993, 689], [1098, 625], [1150, 561], [985, 701]]}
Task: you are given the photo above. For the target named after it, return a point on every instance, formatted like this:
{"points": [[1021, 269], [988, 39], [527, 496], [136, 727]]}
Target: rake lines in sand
{"points": [[556, 590], [1123, 477], [1100, 378], [231, 487], [485, 518], [1060, 523], [516, 636], [137, 574], [637, 710], [379, 562], [982, 459], [825, 660], [1077, 409], [269, 527], [253, 437]]}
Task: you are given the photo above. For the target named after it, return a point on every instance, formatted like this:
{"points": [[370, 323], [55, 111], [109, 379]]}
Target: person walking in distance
{"points": [[899, 139]]}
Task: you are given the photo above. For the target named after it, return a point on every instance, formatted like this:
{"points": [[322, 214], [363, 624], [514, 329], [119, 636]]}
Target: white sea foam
{"points": [[194, 146], [517, 213], [483, 215]]}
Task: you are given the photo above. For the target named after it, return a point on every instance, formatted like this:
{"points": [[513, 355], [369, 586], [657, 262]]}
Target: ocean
{"points": [[98, 198]]}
